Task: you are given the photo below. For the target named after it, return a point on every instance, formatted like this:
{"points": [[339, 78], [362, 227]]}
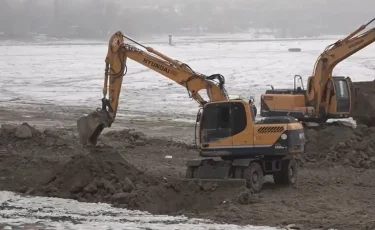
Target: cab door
{"points": [[342, 93], [216, 126]]}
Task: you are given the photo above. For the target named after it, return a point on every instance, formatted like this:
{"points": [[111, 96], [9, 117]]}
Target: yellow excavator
{"points": [[233, 145], [326, 96]]}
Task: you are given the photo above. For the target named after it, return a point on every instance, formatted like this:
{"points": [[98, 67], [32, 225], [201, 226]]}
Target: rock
{"points": [[90, 188], [364, 155], [347, 161], [49, 141], [340, 145], [118, 187], [109, 187], [357, 164], [136, 135], [365, 164], [208, 186], [122, 197], [361, 145], [293, 227], [23, 189], [127, 185], [23, 131], [61, 142], [139, 143], [361, 127], [30, 191], [246, 196], [100, 183], [53, 189], [140, 186], [370, 150], [78, 186], [372, 159], [8, 128]]}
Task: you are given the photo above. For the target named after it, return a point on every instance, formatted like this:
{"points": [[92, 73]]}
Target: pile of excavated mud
{"points": [[104, 176], [342, 144], [52, 163], [363, 103], [130, 170]]}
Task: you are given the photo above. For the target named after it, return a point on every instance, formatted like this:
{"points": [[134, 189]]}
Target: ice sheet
{"points": [[53, 213], [73, 74]]}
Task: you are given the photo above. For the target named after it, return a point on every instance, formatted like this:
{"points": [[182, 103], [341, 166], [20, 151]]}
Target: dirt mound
{"points": [[363, 102], [52, 163], [342, 144], [132, 138], [104, 176], [96, 177], [132, 171]]}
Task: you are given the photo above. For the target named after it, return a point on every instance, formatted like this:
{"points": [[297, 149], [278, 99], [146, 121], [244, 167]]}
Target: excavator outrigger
{"points": [[326, 96], [225, 128]]}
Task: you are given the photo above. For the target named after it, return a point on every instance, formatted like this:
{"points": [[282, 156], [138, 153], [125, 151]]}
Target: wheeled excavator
{"points": [[326, 96], [232, 145]]}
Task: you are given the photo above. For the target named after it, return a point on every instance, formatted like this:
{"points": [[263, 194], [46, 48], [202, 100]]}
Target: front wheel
{"points": [[254, 176]]}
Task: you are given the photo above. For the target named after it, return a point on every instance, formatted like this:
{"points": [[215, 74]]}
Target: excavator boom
{"points": [[91, 126]]}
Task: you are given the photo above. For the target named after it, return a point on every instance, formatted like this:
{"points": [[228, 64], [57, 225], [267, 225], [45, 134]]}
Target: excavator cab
{"points": [[339, 96]]}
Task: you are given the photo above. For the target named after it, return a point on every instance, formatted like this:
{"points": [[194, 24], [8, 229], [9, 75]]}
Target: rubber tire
{"points": [[189, 172], [254, 168], [284, 177]]}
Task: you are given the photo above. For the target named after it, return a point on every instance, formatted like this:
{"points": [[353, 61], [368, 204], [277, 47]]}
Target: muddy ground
{"points": [[130, 169]]}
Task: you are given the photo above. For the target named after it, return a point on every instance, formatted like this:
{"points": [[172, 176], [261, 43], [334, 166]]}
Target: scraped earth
{"points": [[136, 171]]}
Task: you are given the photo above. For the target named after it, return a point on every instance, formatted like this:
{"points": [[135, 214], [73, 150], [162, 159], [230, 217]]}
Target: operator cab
{"points": [[222, 120], [297, 89], [342, 92], [338, 89]]}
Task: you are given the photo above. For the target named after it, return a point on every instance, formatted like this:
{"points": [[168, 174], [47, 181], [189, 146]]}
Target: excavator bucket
{"points": [[363, 102], [90, 126]]}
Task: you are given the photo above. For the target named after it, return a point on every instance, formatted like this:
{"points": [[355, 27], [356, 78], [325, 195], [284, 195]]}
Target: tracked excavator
{"points": [[232, 145], [326, 96]]}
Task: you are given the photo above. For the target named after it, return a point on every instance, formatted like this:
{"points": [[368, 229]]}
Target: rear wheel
{"points": [[189, 172], [288, 173], [254, 176]]}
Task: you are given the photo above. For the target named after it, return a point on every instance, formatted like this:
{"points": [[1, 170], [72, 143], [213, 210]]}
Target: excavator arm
{"points": [[332, 56], [90, 127]]}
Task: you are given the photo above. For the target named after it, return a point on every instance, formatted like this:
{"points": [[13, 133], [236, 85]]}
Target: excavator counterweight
{"points": [[225, 128]]}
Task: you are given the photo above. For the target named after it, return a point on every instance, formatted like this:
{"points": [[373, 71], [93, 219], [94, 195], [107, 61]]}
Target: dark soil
{"points": [[129, 170]]}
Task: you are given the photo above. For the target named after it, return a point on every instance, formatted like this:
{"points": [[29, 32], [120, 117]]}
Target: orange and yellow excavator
{"points": [[326, 96], [225, 128]]}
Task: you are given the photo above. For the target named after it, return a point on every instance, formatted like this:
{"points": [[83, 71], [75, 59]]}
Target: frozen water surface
{"points": [[73, 74], [53, 213]]}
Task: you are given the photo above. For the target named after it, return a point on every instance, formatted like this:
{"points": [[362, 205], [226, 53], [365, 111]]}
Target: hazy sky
{"points": [[97, 17]]}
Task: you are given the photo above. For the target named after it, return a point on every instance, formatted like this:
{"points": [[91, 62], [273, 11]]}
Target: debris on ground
{"points": [[343, 145], [130, 170]]}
